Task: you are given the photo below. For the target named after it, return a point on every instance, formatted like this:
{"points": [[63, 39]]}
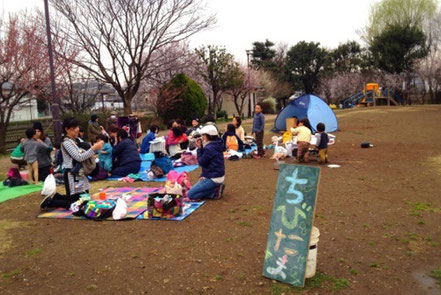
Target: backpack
{"points": [[231, 143], [164, 163], [98, 209]]}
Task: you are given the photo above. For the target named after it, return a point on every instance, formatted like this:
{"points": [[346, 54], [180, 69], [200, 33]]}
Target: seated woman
{"points": [[145, 146], [211, 159], [125, 156], [239, 129], [105, 154], [231, 140], [176, 141], [75, 183]]}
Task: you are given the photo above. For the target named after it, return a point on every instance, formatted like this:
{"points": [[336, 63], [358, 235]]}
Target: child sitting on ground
{"points": [[231, 140], [105, 154], [304, 135], [17, 156], [322, 143], [31, 147]]}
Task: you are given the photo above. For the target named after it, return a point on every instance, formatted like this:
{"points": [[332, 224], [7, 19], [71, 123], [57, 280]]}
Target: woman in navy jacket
{"points": [[211, 159], [125, 156]]}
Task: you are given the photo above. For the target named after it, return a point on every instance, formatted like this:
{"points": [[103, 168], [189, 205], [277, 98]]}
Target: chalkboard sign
{"points": [[291, 224]]}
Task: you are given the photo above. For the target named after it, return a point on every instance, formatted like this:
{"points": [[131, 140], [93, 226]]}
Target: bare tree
{"points": [[430, 67], [242, 81], [80, 90], [215, 67], [119, 38], [169, 61]]}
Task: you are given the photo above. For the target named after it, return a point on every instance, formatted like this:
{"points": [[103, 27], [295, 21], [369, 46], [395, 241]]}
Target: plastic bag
{"points": [[49, 186], [120, 210]]}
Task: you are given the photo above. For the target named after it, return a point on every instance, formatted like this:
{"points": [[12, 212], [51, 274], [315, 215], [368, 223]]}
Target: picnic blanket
{"points": [[136, 206], [147, 162], [8, 193]]}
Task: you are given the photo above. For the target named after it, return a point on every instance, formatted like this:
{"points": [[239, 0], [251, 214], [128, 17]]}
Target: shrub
{"points": [[268, 105], [222, 115], [181, 98]]}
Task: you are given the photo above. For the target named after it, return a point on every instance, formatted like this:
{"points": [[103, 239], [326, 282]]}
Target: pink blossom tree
{"points": [[24, 66]]}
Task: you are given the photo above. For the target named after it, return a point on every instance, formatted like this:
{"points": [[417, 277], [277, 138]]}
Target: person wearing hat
{"points": [[93, 128], [195, 126], [112, 120], [211, 159]]}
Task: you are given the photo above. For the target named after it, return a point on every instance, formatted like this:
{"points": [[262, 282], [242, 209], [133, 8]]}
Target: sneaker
{"points": [[45, 202], [218, 192]]}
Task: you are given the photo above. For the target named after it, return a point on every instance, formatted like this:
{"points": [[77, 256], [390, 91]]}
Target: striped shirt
{"points": [[77, 184]]}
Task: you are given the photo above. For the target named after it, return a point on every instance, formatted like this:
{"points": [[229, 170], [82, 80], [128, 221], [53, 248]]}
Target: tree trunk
{"points": [[127, 104], [3, 128]]}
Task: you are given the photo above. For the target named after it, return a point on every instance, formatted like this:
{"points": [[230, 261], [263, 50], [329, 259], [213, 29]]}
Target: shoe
{"points": [[45, 203], [257, 157], [218, 192]]}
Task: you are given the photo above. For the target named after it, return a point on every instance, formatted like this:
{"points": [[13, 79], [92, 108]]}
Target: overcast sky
{"points": [[241, 22]]}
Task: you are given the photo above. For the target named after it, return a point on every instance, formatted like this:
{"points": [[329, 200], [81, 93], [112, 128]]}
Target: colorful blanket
{"points": [[8, 193], [136, 206]]}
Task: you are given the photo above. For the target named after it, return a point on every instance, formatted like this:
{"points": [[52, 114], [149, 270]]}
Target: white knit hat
{"points": [[210, 130]]}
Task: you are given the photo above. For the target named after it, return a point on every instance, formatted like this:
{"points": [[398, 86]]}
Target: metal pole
{"points": [[55, 100], [249, 90]]}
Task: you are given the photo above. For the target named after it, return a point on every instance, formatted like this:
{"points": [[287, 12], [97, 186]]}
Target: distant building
{"points": [[28, 112]]}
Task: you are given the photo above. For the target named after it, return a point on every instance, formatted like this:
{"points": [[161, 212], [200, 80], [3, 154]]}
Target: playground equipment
{"points": [[372, 95]]}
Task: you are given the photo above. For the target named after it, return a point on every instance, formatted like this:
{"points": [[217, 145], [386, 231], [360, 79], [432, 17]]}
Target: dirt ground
{"points": [[378, 214]]}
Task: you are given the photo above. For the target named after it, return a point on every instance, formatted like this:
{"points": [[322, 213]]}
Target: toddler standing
{"points": [[31, 147], [322, 143]]}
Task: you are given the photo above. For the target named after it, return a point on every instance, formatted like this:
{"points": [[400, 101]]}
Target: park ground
{"points": [[378, 214]]}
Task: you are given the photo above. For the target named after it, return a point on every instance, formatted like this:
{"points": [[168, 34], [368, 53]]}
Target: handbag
{"points": [[160, 205]]}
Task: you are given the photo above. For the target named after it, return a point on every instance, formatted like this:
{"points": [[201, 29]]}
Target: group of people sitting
{"points": [[126, 159], [303, 131]]}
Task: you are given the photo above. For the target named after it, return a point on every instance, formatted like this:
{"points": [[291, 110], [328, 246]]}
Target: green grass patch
{"points": [[219, 278], [33, 252], [243, 224], [417, 209], [374, 265], [436, 274], [11, 274], [354, 272], [318, 281]]}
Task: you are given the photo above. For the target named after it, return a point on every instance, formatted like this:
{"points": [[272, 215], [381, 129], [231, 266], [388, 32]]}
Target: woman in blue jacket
{"points": [[211, 159], [125, 156], [145, 146]]}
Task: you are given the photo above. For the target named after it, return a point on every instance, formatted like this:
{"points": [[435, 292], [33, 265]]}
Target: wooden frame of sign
{"points": [[291, 224]]}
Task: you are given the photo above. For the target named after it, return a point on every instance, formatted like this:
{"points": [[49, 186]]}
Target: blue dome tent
{"points": [[310, 106]]}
